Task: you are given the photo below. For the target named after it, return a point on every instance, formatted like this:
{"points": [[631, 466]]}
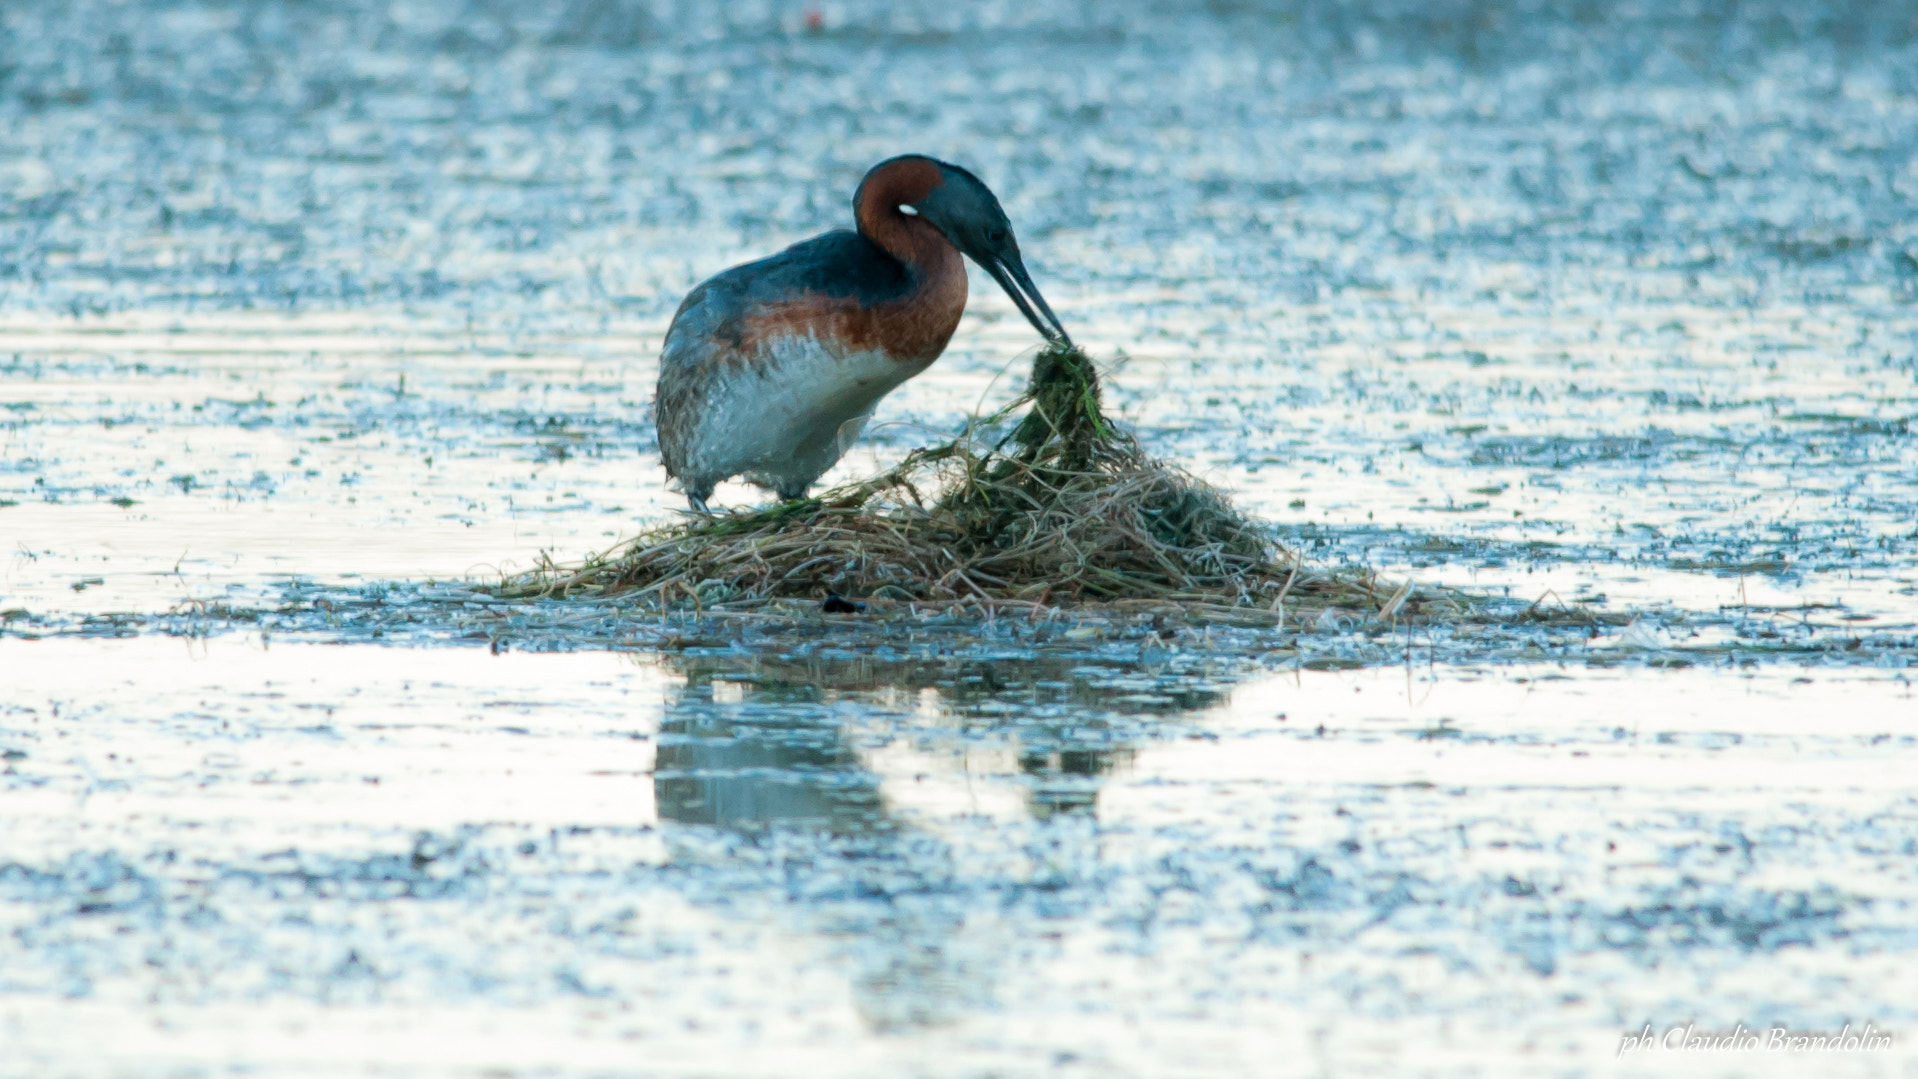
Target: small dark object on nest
{"points": [[838, 604]]}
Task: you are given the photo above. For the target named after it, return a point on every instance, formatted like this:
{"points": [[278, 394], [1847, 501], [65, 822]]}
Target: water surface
{"points": [[310, 314]]}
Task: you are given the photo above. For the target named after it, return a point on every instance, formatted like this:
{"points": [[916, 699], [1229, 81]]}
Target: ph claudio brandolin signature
{"points": [[1743, 1039]]}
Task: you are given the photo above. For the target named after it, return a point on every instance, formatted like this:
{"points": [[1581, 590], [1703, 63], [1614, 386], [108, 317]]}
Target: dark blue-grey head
{"points": [[968, 214]]}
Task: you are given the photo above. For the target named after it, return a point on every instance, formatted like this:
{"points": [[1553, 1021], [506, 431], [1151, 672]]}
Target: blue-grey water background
{"points": [[309, 311]]}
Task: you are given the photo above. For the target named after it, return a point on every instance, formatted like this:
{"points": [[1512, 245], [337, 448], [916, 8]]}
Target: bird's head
{"points": [[969, 216]]}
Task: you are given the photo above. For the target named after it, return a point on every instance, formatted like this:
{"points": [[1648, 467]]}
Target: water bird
{"points": [[771, 369]]}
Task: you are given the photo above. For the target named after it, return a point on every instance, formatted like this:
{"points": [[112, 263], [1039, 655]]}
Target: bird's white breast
{"points": [[792, 414]]}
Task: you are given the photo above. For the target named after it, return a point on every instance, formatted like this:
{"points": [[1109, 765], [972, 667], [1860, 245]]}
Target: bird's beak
{"points": [[1010, 272]]}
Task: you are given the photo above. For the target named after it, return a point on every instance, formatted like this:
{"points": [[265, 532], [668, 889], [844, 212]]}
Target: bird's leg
{"points": [[697, 496], [789, 493]]}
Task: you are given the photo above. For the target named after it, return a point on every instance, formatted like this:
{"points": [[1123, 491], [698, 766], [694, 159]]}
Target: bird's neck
{"points": [[922, 249], [923, 321], [908, 238]]}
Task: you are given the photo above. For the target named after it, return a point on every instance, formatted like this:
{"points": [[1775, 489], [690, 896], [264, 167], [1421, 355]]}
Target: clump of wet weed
{"points": [[1066, 508]]}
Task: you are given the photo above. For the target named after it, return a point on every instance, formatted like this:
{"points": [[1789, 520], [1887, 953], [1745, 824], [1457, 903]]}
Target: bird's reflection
{"points": [[775, 759], [852, 769], [1065, 781], [750, 743]]}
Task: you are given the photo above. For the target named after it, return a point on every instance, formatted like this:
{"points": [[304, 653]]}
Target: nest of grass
{"points": [[1065, 509]]}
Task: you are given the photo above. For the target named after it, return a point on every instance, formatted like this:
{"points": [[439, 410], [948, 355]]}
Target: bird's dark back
{"points": [[837, 267]]}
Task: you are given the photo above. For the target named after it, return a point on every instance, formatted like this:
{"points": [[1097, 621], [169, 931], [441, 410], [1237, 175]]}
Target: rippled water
{"points": [[307, 310]]}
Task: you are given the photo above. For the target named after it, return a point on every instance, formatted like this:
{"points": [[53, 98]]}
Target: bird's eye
{"points": [[996, 235]]}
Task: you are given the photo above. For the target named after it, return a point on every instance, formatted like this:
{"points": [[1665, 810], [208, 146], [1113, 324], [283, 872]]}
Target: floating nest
{"points": [[1064, 509]]}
